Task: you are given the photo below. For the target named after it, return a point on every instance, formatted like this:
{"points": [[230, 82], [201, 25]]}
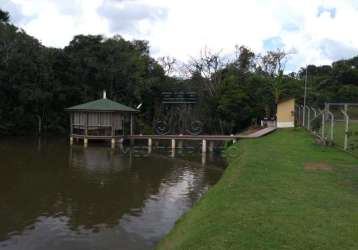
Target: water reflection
{"points": [[58, 197]]}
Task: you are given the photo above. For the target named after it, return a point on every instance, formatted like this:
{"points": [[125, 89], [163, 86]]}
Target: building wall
{"points": [[117, 121], [98, 119], [79, 119], [285, 114]]}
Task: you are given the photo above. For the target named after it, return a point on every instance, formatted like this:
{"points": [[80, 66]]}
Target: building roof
{"points": [[103, 104]]}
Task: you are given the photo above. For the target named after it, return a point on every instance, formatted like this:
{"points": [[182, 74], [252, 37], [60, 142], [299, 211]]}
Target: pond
{"points": [[54, 196]]}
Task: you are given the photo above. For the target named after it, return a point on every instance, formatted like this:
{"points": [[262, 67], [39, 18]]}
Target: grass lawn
{"points": [[267, 199]]}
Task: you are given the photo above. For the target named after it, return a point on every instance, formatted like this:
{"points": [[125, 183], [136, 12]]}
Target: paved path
{"points": [[259, 133]]}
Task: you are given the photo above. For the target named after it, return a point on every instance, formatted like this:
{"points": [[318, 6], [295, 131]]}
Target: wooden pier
{"points": [[256, 134], [204, 138], [176, 141]]}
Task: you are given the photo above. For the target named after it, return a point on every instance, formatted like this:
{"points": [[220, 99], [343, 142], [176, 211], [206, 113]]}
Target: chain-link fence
{"points": [[336, 124]]}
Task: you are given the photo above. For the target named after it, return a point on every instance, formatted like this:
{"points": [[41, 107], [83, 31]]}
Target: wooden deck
{"points": [[184, 137], [97, 137]]}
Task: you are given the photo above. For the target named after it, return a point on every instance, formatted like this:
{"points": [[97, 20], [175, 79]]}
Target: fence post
{"points": [[302, 120], [346, 127], [308, 118], [304, 115], [323, 124], [314, 112], [332, 124], [299, 115]]}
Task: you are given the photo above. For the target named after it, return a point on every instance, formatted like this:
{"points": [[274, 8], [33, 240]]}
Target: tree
{"points": [[168, 64], [209, 65], [273, 62], [272, 66], [4, 16], [37, 83], [245, 59]]}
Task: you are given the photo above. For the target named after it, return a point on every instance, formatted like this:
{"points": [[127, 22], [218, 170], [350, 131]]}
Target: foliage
{"points": [[37, 83], [336, 83], [4, 16]]}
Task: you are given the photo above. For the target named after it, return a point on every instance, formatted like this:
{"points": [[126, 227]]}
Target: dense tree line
{"points": [[37, 83]]}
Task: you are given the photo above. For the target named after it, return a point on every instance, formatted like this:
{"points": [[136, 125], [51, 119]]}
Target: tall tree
{"points": [[4, 16]]}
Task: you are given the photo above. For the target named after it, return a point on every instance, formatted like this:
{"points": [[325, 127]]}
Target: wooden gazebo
{"points": [[102, 119]]}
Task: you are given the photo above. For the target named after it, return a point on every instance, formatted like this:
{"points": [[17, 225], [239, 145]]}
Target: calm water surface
{"points": [[53, 196]]}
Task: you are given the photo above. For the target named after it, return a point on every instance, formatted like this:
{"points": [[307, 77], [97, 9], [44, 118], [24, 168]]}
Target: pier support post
{"points": [[85, 142], [233, 140], [173, 153], [150, 142], [180, 144], [211, 146], [71, 140], [203, 159], [203, 149], [173, 143], [113, 143]]}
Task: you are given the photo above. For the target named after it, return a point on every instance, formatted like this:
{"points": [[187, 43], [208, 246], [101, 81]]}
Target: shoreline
{"points": [[279, 191]]}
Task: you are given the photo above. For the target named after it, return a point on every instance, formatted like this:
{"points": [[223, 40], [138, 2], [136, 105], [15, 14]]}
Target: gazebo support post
{"points": [[131, 131], [112, 125], [131, 128], [71, 129], [85, 140], [113, 140]]}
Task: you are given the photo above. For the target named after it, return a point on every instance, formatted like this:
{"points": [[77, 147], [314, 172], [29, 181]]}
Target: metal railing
{"points": [[336, 124]]}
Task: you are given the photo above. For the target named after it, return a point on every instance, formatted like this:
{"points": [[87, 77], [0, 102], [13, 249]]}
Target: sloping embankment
{"points": [[279, 192]]}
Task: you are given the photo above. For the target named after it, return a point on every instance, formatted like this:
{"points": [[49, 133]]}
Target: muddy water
{"points": [[53, 196]]}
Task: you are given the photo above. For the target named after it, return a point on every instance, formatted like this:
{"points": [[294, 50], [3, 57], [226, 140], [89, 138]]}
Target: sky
{"points": [[312, 31]]}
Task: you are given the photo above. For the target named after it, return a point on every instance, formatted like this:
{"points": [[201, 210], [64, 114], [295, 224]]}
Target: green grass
{"points": [[267, 200]]}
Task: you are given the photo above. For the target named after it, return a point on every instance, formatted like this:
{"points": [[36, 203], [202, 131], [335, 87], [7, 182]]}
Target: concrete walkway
{"points": [[259, 133]]}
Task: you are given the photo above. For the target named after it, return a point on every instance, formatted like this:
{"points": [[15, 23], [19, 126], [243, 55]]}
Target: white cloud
{"points": [[182, 28], [55, 23]]}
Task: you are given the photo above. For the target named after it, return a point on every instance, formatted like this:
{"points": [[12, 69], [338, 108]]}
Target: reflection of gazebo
{"points": [[102, 119]]}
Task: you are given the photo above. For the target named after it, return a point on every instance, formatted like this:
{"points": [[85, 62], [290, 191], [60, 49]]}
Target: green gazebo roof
{"points": [[102, 105]]}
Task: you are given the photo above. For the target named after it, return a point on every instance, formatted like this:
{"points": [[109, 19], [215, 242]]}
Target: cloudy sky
{"points": [[315, 31]]}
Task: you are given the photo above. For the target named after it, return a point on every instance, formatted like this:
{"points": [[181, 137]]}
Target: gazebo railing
{"points": [[78, 130], [96, 130], [99, 130]]}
